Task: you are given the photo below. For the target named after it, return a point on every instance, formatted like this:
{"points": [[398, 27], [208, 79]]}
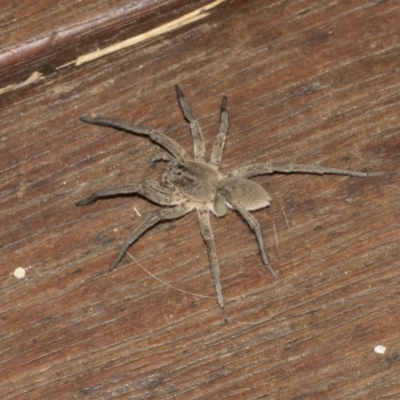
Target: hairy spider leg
{"points": [[197, 135], [162, 140], [206, 232], [262, 169], [150, 190], [149, 221], [255, 227], [219, 141]]}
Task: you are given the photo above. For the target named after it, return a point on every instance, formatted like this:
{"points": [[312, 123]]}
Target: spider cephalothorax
{"points": [[198, 185], [197, 181]]}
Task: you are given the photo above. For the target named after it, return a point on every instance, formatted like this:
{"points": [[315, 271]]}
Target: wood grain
{"points": [[46, 35], [307, 82]]}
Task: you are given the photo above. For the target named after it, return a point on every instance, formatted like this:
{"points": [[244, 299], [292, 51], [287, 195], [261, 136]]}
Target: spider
{"points": [[188, 185]]}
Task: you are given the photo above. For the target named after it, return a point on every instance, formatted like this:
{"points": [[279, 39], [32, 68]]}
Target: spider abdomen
{"points": [[249, 194]]}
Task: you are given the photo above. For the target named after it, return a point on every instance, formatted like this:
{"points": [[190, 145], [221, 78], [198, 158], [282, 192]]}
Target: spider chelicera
{"points": [[199, 185]]}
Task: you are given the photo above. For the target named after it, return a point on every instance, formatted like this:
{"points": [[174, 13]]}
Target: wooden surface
{"points": [[45, 35], [307, 82]]}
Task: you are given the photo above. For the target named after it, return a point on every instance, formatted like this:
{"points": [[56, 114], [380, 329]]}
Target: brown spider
{"points": [[188, 185]]}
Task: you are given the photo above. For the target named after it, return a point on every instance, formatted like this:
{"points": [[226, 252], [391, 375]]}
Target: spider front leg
{"points": [[219, 142], [197, 135], [150, 190], [162, 140], [150, 220], [261, 169]]}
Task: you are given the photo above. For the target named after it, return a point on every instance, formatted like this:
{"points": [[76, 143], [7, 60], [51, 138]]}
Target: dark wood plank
{"points": [[306, 82], [45, 34]]}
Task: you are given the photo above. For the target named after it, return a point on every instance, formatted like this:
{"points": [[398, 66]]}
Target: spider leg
{"points": [[150, 190], [262, 169], [149, 221], [197, 135], [205, 228], [219, 142], [255, 227], [162, 140]]}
